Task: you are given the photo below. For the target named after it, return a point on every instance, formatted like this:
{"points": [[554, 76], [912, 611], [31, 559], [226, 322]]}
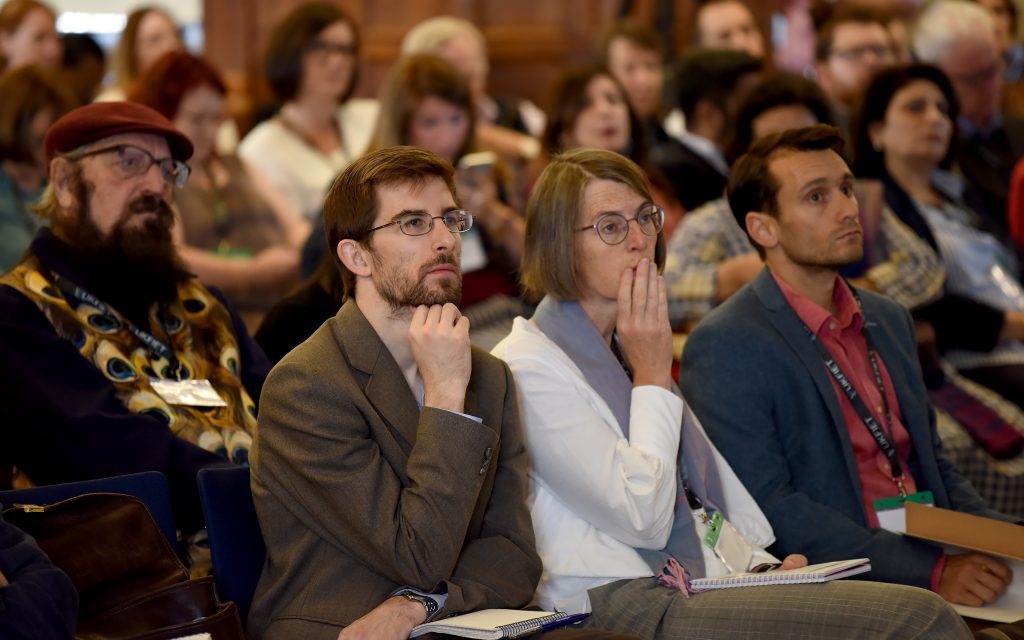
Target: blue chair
{"points": [[148, 486], [236, 542]]}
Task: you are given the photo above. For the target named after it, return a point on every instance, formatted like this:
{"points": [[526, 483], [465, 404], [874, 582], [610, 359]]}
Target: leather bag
{"points": [[131, 584]]}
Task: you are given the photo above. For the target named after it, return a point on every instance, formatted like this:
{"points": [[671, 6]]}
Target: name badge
{"points": [[892, 514], [188, 393], [728, 544], [474, 256]]}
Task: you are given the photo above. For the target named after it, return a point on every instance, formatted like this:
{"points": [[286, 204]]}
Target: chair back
{"points": [[236, 542], [148, 486]]}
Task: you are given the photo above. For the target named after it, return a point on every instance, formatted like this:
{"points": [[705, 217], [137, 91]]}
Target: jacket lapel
{"points": [[385, 386], [786, 322]]}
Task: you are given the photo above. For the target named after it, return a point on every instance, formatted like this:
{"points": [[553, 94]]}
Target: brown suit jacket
{"points": [[358, 492]]}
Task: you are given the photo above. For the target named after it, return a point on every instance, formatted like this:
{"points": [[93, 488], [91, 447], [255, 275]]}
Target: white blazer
{"points": [[596, 496]]}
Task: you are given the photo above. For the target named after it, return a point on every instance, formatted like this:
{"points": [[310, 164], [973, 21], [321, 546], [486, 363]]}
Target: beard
{"points": [[402, 293], [134, 264]]}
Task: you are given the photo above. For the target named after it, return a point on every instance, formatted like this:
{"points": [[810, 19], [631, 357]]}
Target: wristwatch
{"points": [[428, 603]]}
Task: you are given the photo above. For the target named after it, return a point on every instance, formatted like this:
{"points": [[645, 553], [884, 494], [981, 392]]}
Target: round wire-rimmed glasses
{"points": [[613, 228], [419, 223]]}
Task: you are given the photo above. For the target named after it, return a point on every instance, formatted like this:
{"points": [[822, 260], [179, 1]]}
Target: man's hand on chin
{"points": [[392, 619]]}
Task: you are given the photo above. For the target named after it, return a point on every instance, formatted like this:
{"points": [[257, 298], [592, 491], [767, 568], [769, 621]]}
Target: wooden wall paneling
{"points": [[530, 41]]}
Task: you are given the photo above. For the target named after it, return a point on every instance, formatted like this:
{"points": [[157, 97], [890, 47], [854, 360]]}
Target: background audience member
{"points": [[37, 600], [727, 24], [633, 53], [28, 35], [84, 65], [1004, 15], [590, 109], [33, 100], [148, 34], [620, 470], [706, 86], [296, 316], [959, 38], [235, 231], [904, 136], [507, 126], [312, 66], [851, 46]]}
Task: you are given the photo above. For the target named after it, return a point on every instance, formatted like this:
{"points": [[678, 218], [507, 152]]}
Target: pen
{"points": [[572, 619]]}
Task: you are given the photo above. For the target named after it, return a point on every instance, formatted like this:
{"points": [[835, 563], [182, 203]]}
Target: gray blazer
{"points": [[763, 394], [358, 492]]}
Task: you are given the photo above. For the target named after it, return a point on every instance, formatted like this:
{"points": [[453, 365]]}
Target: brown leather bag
{"points": [[131, 585]]}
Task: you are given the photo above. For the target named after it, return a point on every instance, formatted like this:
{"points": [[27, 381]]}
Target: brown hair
{"points": [[165, 84], [291, 38], [554, 212], [569, 99], [13, 13], [351, 204], [826, 34], [125, 62], [752, 187], [412, 79], [632, 31], [26, 92]]}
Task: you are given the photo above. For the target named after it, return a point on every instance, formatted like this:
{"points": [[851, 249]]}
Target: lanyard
{"points": [[882, 439], [154, 344]]}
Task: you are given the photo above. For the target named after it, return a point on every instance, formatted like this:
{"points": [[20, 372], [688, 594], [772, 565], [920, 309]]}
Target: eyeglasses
{"points": [[855, 54], [136, 161], [613, 228], [419, 223], [978, 78], [322, 49]]}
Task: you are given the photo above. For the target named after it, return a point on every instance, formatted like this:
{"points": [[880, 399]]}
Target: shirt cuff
{"points": [[466, 415], [940, 566], [438, 598]]}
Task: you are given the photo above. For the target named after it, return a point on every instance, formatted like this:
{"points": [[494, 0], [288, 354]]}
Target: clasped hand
{"points": [[645, 336], [439, 339]]}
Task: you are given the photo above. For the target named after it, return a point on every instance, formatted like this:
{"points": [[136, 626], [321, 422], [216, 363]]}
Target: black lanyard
{"points": [[152, 343], [883, 440]]}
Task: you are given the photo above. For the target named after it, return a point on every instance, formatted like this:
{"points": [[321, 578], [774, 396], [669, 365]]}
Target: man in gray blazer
{"points": [[765, 374], [388, 470]]}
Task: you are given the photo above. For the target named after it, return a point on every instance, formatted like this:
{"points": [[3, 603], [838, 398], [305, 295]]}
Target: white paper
{"points": [[1009, 607]]}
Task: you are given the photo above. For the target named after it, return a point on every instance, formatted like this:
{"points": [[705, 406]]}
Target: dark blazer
{"points": [[694, 180], [359, 492], [764, 396], [987, 163]]}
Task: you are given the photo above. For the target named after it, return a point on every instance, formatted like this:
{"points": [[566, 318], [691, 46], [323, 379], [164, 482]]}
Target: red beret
{"points": [[100, 120]]}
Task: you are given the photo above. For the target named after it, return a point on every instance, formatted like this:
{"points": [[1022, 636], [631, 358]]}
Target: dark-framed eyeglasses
{"points": [[135, 161], [880, 52], [419, 223], [322, 48], [613, 228]]}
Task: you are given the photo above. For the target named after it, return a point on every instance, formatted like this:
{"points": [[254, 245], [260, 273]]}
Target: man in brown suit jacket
{"points": [[388, 458]]}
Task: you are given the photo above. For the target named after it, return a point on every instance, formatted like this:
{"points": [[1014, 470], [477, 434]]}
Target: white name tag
{"points": [[474, 256], [189, 393]]}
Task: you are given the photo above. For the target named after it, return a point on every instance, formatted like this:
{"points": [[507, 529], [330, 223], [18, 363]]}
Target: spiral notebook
{"points": [[498, 623], [824, 572]]}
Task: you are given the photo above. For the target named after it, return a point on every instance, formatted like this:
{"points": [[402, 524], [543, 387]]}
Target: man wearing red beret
{"points": [[115, 359]]}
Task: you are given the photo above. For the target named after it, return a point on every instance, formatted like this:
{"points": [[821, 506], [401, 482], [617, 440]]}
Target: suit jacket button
{"points": [[487, 453], [483, 470]]}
